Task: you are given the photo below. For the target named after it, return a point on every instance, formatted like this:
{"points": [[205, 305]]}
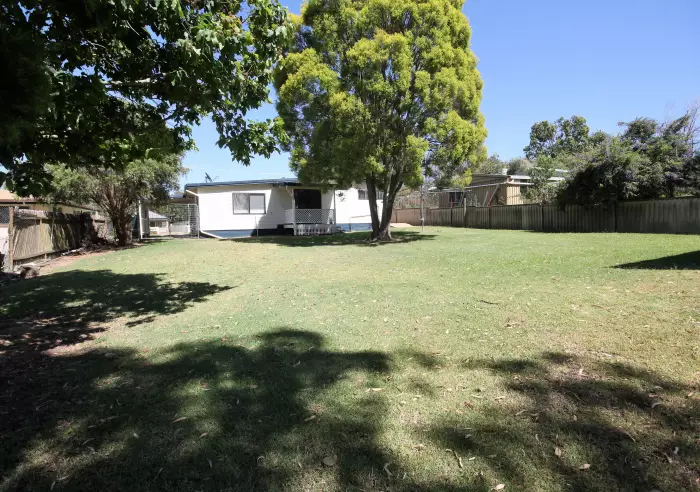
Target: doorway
{"points": [[306, 199]]}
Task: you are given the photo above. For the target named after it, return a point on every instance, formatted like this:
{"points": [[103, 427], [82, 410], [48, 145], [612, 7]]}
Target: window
{"points": [[248, 203], [362, 195]]}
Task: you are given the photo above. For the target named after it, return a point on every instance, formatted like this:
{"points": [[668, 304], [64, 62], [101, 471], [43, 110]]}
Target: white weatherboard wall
{"points": [[216, 207], [352, 210]]}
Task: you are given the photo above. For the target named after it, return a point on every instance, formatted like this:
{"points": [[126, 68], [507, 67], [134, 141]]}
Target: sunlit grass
{"points": [[457, 359]]}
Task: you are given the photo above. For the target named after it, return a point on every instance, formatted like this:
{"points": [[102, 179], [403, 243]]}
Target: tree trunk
{"points": [[122, 228], [381, 226]]}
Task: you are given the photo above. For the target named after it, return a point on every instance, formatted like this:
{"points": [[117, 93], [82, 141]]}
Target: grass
{"points": [[452, 360]]}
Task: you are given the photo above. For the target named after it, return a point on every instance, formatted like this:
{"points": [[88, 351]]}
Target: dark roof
{"points": [[274, 181]]}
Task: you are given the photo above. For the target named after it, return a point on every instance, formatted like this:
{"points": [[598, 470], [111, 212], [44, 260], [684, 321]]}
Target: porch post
{"points": [[335, 211], [294, 215]]}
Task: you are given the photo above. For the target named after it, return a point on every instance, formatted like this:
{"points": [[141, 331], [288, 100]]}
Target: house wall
{"points": [[216, 209], [4, 239], [350, 210]]}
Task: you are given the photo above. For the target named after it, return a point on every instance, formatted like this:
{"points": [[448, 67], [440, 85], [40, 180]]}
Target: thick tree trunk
{"points": [[381, 226], [122, 228]]}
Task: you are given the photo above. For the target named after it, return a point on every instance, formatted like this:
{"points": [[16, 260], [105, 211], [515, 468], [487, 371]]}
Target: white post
{"points": [[140, 220], [335, 211], [294, 215], [422, 217]]}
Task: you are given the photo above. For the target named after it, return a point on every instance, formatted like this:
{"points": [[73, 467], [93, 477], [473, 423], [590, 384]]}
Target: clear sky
{"points": [[607, 61]]}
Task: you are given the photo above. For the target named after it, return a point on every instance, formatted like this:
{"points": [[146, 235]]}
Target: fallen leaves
{"points": [[179, 419], [557, 451], [585, 466], [500, 486], [386, 470], [309, 418]]}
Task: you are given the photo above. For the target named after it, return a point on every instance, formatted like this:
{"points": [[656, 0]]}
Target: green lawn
{"points": [[449, 361]]}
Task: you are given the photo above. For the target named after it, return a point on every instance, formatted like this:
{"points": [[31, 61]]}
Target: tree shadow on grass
{"points": [[683, 261], [344, 239], [579, 423], [70, 307], [208, 416]]}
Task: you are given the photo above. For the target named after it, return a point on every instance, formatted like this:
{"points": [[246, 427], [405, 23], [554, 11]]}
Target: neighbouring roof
{"points": [[273, 181], [155, 216], [9, 198]]}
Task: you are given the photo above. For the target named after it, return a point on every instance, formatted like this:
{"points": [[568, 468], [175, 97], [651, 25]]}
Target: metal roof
{"points": [[273, 181], [156, 216]]}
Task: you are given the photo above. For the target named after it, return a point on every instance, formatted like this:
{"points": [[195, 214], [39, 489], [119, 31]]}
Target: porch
{"points": [[308, 216]]}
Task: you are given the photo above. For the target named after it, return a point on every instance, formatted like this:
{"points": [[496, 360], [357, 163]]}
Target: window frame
{"points": [[380, 194], [248, 195]]}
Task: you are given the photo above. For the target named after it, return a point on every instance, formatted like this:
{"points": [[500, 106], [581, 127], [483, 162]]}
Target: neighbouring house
{"points": [[158, 224], [494, 189], [278, 206]]}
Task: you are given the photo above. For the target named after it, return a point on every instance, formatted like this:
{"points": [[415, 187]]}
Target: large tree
{"points": [[81, 80], [551, 139], [380, 92], [117, 193]]}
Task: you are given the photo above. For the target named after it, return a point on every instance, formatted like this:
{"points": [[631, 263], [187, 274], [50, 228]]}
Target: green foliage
{"points": [[463, 180], [519, 165], [608, 173], [667, 148], [493, 165], [649, 159], [117, 192], [82, 81], [560, 137], [541, 190], [381, 92]]}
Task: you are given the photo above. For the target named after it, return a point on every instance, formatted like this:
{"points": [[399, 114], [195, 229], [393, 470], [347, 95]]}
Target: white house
{"points": [[278, 206]]}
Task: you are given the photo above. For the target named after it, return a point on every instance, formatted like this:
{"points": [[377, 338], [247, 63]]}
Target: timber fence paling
{"points": [[35, 233], [670, 216]]}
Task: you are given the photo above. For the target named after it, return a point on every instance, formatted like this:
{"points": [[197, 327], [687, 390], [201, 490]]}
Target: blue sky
{"points": [[607, 61]]}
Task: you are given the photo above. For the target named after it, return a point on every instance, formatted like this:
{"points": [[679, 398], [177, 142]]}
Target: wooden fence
{"points": [[35, 233], [674, 216]]}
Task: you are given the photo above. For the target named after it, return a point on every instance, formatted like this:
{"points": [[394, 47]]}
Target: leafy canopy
{"points": [[117, 193], [551, 139], [83, 80], [379, 91]]}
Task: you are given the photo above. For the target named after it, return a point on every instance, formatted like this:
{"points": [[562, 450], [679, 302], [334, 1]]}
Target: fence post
{"points": [[464, 213], [489, 209], [11, 240], [615, 211], [542, 218]]}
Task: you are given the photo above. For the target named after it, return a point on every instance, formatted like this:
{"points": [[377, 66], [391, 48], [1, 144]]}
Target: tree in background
{"points": [[493, 165], [117, 192], [379, 92], [606, 174], [541, 190], [518, 165], [667, 147], [83, 80], [551, 139], [648, 160]]}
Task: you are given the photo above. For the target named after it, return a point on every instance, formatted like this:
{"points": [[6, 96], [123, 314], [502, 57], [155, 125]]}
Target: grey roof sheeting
{"points": [[274, 181], [155, 216]]}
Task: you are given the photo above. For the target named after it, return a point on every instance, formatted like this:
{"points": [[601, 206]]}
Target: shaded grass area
{"points": [[459, 363]]}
